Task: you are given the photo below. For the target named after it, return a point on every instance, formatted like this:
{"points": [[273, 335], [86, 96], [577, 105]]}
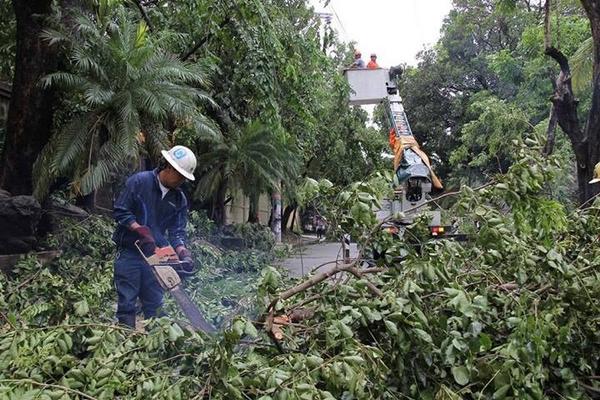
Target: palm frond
{"points": [[150, 103], [208, 184], [65, 80], [53, 36], [73, 140], [95, 177], [204, 127], [59, 154], [86, 26], [85, 64], [96, 95], [254, 159], [122, 77], [157, 139], [110, 159]]}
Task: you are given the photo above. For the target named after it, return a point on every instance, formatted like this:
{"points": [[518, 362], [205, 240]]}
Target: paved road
{"points": [[313, 254]]}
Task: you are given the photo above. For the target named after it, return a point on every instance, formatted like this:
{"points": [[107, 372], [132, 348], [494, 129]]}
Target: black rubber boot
{"points": [[127, 320]]}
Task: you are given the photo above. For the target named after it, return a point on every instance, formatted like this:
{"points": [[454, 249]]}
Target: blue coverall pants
{"points": [[133, 278]]}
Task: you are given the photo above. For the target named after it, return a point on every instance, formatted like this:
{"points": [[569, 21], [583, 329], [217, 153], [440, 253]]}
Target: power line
{"points": [[339, 22]]}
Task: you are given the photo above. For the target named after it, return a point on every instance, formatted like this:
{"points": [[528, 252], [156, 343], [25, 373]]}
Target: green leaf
{"points": [[238, 327], [81, 308], [501, 392], [485, 342], [175, 332], [391, 327], [423, 335], [461, 375], [553, 255], [345, 330], [250, 329], [354, 359]]}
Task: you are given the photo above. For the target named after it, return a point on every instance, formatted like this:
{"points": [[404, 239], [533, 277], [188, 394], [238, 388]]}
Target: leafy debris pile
{"points": [[512, 314]]}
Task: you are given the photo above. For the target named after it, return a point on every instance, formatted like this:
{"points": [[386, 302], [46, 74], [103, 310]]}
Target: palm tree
{"points": [[254, 159], [121, 82]]}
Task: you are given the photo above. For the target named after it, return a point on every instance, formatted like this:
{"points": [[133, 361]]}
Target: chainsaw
{"points": [[165, 266]]}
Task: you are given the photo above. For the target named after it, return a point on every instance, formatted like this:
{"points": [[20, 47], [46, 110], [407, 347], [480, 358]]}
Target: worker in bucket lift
{"points": [[358, 61], [150, 206], [373, 63]]}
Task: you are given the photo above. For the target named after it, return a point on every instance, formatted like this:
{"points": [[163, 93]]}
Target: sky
{"points": [[416, 26]]}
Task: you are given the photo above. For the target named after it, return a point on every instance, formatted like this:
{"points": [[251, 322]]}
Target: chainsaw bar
{"points": [[191, 311], [162, 263]]}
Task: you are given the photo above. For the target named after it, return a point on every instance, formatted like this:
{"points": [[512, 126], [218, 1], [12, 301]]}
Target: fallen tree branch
{"points": [[309, 300], [348, 268], [391, 217], [351, 268], [48, 385], [7, 320], [542, 289], [271, 325], [459, 191], [359, 274], [322, 265], [591, 199], [320, 277]]}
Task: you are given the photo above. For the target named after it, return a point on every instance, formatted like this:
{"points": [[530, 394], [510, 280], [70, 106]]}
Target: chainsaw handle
{"points": [[137, 244], [176, 264], [184, 272]]}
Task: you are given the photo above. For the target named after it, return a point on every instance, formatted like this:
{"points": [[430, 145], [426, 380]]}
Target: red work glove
{"points": [[185, 255], [147, 242]]}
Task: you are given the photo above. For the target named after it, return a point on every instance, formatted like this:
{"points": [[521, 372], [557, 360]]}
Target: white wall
{"points": [[237, 210]]}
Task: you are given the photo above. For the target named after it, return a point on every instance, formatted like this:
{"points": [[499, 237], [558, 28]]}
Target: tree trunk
{"points": [[218, 205], [287, 212], [29, 122], [294, 214], [592, 126], [253, 209], [585, 142]]}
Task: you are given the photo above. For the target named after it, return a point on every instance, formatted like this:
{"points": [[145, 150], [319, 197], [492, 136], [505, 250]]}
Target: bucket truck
{"points": [[414, 178]]}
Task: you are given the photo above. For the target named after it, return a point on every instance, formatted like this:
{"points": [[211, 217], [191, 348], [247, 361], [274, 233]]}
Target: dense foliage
{"points": [[272, 69], [487, 76], [125, 89]]}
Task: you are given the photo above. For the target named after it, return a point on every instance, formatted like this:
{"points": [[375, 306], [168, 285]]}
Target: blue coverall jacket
{"points": [[141, 201]]}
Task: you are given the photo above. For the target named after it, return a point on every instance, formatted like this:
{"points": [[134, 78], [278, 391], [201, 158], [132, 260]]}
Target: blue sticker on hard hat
{"points": [[179, 153]]}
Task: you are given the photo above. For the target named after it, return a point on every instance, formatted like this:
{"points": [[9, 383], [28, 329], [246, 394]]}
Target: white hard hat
{"points": [[182, 159]]}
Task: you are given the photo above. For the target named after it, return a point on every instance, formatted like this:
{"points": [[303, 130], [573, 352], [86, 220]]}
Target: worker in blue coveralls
{"points": [[151, 209]]}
